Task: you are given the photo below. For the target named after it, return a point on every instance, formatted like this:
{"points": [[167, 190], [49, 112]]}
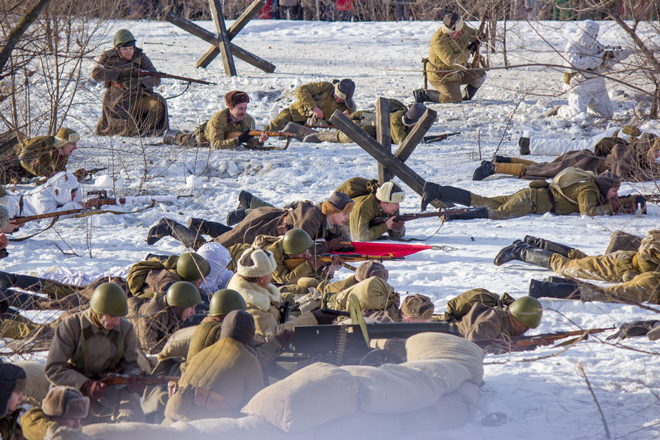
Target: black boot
{"points": [[457, 195], [432, 191], [559, 280], [501, 159], [166, 227], [548, 245], [469, 91], [235, 217], [244, 199], [524, 252], [485, 169], [541, 289], [420, 95], [206, 227], [160, 230], [477, 213], [523, 143], [424, 95]]}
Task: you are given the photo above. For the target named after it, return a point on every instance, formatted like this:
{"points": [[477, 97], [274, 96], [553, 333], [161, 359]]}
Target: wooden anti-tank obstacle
{"points": [[221, 44]]}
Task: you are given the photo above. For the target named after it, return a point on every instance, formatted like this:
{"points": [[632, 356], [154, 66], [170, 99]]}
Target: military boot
{"points": [[487, 168], [556, 248], [166, 227], [542, 289], [556, 279], [235, 217], [248, 201], [300, 131], [456, 195], [477, 213], [324, 136], [501, 159], [523, 143], [205, 227], [469, 91], [523, 252], [169, 138], [424, 95]]}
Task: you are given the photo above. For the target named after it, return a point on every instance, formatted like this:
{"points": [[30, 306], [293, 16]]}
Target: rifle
{"points": [[477, 56], [98, 202], [531, 342], [407, 217], [235, 134], [439, 137], [637, 199], [21, 220], [292, 263], [122, 379], [142, 72]]}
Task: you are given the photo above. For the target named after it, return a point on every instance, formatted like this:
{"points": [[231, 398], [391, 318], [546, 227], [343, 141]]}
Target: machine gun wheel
{"points": [[376, 358]]}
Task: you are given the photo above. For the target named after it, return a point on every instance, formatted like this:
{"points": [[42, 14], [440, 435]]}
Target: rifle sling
{"points": [[52, 223]]}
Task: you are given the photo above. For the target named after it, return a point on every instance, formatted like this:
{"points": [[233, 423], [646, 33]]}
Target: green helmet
{"points": [[225, 301], [527, 310], [296, 242], [123, 36], [109, 299], [187, 266], [183, 294]]}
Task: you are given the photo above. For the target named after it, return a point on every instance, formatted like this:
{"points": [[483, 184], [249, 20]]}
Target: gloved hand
{"points": [[135, 385], [125, 74], [315, 262], [94, 389], [431, 192], [80, 174], [244, 137], [472, 47], [334, 244], [284, 337], [323, 318], [635, 328]]}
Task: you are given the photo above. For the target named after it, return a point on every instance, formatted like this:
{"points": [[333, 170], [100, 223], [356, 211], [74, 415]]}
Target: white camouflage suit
{"points": [[54, 195], [587, 92], [557, 147]]}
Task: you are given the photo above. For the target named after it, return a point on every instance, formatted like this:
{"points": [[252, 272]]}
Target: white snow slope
{"points": [[543, 399]]}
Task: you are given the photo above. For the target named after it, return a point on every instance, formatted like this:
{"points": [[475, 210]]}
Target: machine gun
{"points": [[292, 263], [407, 217]]}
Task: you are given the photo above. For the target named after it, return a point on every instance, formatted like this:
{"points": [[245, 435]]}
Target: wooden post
{"points": [[368, 144], [223, 41], [416, 135], [383, 136], [245, 17]]}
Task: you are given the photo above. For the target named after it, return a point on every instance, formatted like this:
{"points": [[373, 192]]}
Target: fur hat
{"points": [[338, 202], [65, 402], [12, 379], [255, 262], [418, 307], [370, 269], [413, 114], [607, 180], [344, 89], [390, 192], [451, 23], [65, 136], [4, 217], [236, 97]]}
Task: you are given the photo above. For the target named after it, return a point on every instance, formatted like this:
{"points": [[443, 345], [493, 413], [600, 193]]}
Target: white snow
{"points": [[543, 399]]}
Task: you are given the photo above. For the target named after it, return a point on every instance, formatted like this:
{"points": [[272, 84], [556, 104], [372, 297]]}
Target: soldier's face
{"points": [[14, 401], [187, 313], [109, 322], [389, 208], [339, 100], [68, 149], [68, 422], [238, 111], [338, 219], [127, 52], [265, 280], [456, 35], [613, 193]]}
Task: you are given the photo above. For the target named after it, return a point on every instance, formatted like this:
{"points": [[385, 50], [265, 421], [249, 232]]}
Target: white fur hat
{"points": [[390, 192], [255, 262]]}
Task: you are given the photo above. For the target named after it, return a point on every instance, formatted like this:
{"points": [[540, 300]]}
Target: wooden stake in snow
{"points": [[593, 396]]}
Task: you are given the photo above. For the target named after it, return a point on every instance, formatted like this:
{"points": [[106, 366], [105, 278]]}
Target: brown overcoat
{"points": [[582, 159], [154, 322], [632, 165], [484, 323]]}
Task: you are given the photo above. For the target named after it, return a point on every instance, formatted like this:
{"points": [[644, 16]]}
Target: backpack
{"points": [[138, 272], [358, 186], [459, 306]]}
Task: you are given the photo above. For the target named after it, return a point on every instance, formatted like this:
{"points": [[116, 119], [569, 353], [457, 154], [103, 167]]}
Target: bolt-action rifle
{"points": [[439, 137], [477, 56], [637, 200], [292, 263], [142, 72], [531, 342], [235, 134], [407, 217], [122, 379]]}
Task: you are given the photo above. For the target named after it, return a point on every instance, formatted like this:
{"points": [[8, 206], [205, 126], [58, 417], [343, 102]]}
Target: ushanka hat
{"points": [[413, 114], [607, 180], [344, 89], [390, 192], [236, 97], [418, 307], [370, 269], [338, 202], [255, 262], [65, 402], [452, 23]]}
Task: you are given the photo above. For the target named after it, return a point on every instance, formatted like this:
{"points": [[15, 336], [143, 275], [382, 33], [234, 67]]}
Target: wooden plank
{"points": [[416, 135], [383, 136], [208, 56], [368, 144], [223, 38], [245, 17], [192, 28], [248, 57]]}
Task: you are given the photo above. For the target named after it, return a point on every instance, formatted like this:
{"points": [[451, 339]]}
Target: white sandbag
{"points": [[451, 373], [424, 346], [361, 426], [139, 431], [177, 345], [246, 428], [394, 389], [308, 398], [37, 383]]}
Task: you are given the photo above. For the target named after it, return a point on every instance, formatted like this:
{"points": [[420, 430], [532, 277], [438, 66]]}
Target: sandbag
{"points": [[361, 426], [37, 383], [373, 294], [450, 412], [139, 431], [308, 398], [177, 345], [451, 373], [246, 428], [424, 346], [394, 389]]}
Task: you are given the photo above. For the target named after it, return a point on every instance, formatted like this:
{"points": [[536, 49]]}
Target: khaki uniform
{"points": [[281, 275], [615, 267], [643, 287], [366, 209], [539, 201], [154, 322], [484, 323], [461, 305], [448, 59], [18, 327], [218, 382], [276, 222], [149, 278], [398, 130], [319, 94], [9, 427], [374, 294], [36, 424], [130, 108], [33, 157], [213, 133], [105, 350]]}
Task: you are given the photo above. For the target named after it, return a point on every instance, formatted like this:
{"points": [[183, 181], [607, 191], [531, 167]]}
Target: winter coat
{"points": [[154, 322], [448, 54], [54, 195], [366, 209], [36, 424], [583, 159], [632, 165], [10, 428], [319, 94], [101, 350], [615, 267], [590, 201], [120, 99], [215, 130], [276, 222], [484, 323]]}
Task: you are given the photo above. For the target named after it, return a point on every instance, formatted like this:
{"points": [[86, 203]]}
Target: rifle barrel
{"points": [[181, 78]]}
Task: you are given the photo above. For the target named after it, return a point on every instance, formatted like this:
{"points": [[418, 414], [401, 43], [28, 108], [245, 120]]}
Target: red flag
{"points": [[386, 249]]}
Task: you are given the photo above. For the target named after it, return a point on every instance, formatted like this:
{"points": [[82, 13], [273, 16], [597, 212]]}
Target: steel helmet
{"points": [[183, 294], [189, 264], [527, 310], [109, 299], [296, 242], [225, 301], [123, 36]]}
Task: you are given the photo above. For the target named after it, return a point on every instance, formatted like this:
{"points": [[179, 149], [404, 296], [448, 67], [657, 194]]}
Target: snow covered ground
{"points": [[543, 399]]}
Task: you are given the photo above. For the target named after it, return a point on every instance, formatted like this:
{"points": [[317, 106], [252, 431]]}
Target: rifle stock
{"points": [[23, 220], [477, 56], [407, 217], [122, 379]]}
